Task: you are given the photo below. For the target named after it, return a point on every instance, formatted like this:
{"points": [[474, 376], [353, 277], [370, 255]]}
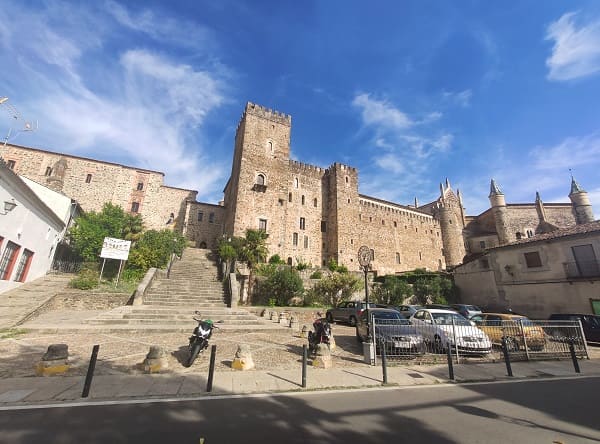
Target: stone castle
{"points": [[312, 214]]}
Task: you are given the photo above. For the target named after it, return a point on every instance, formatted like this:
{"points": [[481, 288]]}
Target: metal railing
{"points": [[525, 339], [582, 269]]}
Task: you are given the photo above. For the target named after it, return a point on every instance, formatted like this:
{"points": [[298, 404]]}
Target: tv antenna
{"points": [[16, 118]]}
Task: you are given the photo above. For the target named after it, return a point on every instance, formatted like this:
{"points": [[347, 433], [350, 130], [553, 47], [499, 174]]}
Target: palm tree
{"points": [[254, 251]]}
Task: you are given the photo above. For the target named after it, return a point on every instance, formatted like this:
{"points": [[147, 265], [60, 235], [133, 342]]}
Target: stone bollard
{"points": [[243, 358], [323, 357], [294, 324], [264, 313], [275, 316], [332, 344], [283, 320], [54, 362], [304, 331], [156, 360]]}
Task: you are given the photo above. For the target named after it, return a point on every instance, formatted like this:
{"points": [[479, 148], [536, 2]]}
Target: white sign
{"points": [[115, 248]]}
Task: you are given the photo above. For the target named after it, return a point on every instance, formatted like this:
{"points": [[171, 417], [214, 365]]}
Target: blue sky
{"points": [[409, 92]]}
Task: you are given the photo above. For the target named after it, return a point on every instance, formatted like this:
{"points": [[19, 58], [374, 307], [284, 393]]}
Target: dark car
{"points": [[589, 322], [348, 311], [466, 310], [391, 329], [406, 310]]}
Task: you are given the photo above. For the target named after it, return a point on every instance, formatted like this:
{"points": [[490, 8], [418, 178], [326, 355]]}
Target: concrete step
{"points": [[174, 323]]}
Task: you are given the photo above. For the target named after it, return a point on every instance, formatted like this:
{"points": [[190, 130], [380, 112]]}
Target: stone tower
{"points": [[342, 213], [582, 208], [256, 195], [56, 179], [499, 212], [450, 214]]}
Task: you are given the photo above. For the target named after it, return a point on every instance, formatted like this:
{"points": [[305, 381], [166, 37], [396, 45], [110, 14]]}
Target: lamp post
{"points": [[364, 259]]}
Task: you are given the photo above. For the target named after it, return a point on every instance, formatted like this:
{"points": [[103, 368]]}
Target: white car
{"points": [[443, 328]]}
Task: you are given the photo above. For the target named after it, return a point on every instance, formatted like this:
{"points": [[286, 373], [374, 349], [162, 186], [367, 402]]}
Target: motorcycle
{"points": [[321, 335], [199, 338]]}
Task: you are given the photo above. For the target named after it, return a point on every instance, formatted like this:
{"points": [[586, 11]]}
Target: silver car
{"points": [[391, 329]]}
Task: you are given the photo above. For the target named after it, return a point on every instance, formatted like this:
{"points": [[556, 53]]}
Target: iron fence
{"points": [[525, 339]]}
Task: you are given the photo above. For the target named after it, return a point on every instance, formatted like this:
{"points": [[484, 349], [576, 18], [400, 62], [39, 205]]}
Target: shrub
{"points": [[317, 275], [85, 280], [282, 286], [301, 265], [335, 288], [276, 259]]}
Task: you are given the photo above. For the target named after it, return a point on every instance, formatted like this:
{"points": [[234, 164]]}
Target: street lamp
{"points": [[364, 259]]}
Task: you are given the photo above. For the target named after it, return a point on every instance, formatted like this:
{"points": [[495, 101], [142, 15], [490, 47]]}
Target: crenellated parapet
{"points": [[267, 113]]}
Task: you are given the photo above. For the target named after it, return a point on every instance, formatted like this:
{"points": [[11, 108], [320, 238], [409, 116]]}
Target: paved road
{"points": [[542, 411]]}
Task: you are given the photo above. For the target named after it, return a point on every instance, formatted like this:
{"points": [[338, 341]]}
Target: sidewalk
{"points": [[32, 391]]}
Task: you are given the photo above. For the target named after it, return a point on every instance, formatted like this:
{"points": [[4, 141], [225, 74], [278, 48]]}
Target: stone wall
{"points": [[204, 224]]}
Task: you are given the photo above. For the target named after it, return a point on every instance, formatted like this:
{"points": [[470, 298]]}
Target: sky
{"points": [[409, 92]]}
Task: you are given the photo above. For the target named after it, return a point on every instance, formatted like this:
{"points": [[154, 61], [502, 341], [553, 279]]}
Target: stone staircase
{"points": [[170, 303]]}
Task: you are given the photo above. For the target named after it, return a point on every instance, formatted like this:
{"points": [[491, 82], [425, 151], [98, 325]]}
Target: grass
{"points": [[6, 333], [122, 287]]}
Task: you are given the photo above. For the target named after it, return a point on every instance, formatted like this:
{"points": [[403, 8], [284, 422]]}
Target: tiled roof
{"points": [[590, 227]]}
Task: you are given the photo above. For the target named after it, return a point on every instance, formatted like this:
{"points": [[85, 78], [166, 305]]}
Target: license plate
{"points": [[401, 344]]}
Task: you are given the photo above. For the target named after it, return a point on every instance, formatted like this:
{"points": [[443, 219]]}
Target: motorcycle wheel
{"points": [[194, 354]]}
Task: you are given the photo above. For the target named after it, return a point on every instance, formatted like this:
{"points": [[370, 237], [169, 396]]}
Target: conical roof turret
{"points": [[494, 189], [575, 187]]}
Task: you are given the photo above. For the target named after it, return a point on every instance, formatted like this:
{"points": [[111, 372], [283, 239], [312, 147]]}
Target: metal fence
{"points": [[524, 339]]}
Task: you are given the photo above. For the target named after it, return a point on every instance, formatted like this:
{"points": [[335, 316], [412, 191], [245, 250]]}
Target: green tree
{"points": [[426, 288], [391, 291], [91, 228], [335, 288], [283, 285], [154, 249], [254, 249]]}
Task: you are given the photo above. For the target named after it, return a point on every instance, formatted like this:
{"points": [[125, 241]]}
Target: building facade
{"points": [[312, 214]]}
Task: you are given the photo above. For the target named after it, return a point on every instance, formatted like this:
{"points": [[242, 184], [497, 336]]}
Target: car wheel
{"points": [[438, 347], [329, 318], [352, 321]]}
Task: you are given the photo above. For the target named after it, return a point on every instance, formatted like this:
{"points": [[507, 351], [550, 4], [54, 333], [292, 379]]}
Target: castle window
{"points": [[11, 164], [280, 202], [529, 233], [211, 218], [290, 197], [270, 146], [48, 171], [135, 207], [397, 258], [370, 219], [88, 178], [519, 235], [351, 241], [372, 255], [348, 200], [302, 223], [346, 179], [315, 202], [200, 216], [303, 199], [296, 182], [305, 241], [295, 239], [420, 256], [140, 186], [382, 222], [416, 230], [323, 226], [262, 224], [533, 259], [395, 224], [482, 244], [289, 261], [260, 179]]}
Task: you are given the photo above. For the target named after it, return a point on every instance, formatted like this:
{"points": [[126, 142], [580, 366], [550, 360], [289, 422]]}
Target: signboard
{"points": [[115, 248]]}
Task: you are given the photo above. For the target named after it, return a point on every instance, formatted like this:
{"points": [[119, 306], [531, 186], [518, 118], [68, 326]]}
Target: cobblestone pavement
{"points": [[122, 353]]}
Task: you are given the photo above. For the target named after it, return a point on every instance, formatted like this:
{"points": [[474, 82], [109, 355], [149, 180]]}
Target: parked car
{"points": [[348, 311], [406, 310], [516, 329], [391, 328], [447, 328], [589, 322], [466, 310], [439, 307]]}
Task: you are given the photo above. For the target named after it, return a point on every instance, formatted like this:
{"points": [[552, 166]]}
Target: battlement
{"points": [[300, 166], [267, 113], [343, 167]]}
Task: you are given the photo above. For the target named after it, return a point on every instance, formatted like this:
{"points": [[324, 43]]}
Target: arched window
{"points": [[260, 179], [296, 182], [270, 147]]}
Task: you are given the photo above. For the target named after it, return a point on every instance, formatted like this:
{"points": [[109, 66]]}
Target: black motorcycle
{"points": [[321, 335], [200, 337]]}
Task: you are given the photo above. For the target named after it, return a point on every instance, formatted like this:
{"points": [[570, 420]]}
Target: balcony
{"points": [[582, 269]]}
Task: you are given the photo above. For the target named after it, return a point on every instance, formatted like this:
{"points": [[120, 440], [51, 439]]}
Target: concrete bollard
{"points": [[156, 360], [274, 316], [304, 331], [54, 362], [323, 357], [243, 358], [264, 313], [294, 324], [332, 344], [283, 320]]}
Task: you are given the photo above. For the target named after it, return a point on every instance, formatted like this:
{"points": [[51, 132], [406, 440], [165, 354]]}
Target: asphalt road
{"points": [[534, 411]]}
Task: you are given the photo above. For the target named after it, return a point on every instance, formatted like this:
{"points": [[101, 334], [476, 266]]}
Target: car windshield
{"points": [[390, 315], [472, 308], [447, 318]]}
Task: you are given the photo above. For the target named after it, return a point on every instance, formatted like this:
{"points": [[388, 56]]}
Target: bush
{"points": [[85, 280], [317, 275], [337, 287], [282, 286], [132, 275], [301, 265], [276, 259]]}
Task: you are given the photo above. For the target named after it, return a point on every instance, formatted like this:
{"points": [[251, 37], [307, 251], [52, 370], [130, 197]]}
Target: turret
{"points": [[580, 201], [539, 206], [499, 211], [450, 216]]}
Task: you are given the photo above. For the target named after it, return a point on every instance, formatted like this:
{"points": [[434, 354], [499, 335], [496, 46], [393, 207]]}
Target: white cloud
{"points": [[161, 27], [576, 51], [571, 152], [461, 98], [381, 113], [390, 162]]}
